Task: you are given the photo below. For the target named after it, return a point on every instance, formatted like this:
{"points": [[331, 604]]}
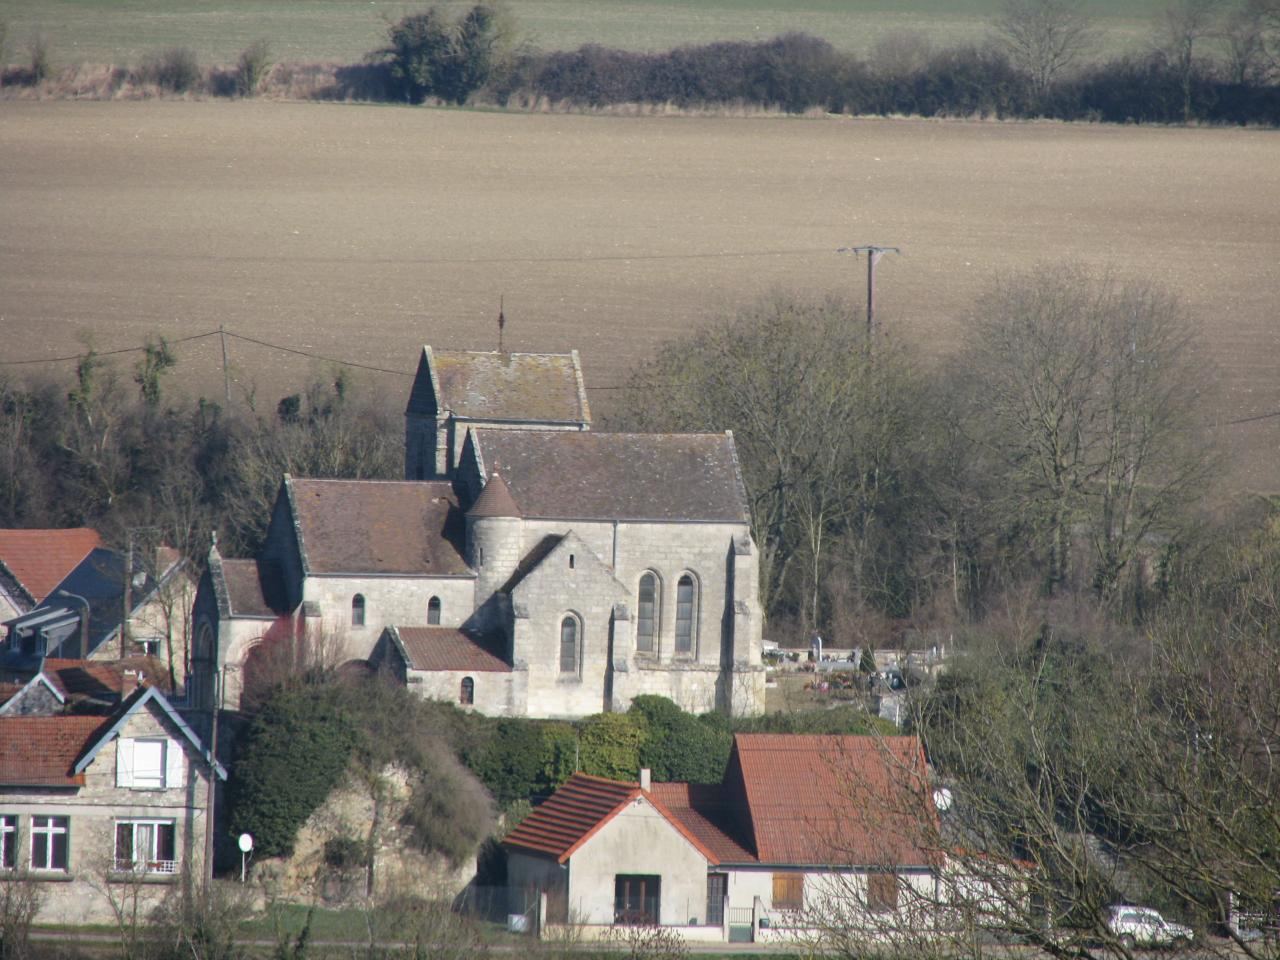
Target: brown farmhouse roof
{"points": [[40, 559], [378, 527], [616, 476], [501, 386], [446, 648]]}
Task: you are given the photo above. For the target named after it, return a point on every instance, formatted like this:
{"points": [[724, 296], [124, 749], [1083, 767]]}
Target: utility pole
{"points": [[226, 376], [874, 253], [211, 788], [502, 320]]}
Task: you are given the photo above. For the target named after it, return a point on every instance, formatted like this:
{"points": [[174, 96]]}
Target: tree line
{"points": [[1207, 60]]}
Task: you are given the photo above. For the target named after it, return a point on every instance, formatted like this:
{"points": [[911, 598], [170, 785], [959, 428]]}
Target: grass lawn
{"points": [[123, 31]]}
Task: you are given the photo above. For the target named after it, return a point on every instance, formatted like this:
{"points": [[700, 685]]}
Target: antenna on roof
{"points": [[502, 320]]}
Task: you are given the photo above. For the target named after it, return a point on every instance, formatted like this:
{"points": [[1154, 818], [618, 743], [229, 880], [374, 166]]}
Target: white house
{"points": [[800, 827]]}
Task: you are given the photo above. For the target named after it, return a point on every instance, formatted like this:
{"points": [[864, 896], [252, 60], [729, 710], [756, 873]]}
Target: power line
{"points": [[103, 353], [316, 356]]}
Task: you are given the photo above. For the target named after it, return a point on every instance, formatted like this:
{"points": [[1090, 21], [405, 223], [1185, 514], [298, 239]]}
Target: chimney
{"points": [[645, 779], [128, 684]]}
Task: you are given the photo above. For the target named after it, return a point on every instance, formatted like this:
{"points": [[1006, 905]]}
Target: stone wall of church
{"points": [[494, 694], [388, 601], [670, 550]]}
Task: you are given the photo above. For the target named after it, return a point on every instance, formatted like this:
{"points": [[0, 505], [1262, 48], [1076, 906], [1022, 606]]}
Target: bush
{"points": [[610, 745], [175, 69], [254, 62], [296, 752]]}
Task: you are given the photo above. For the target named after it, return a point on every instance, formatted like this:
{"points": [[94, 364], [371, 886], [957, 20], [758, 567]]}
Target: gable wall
{"points": [[638, 840], [78, 896], [281, 546]]}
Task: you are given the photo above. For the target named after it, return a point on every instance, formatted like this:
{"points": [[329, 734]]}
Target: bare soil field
{"points": [[362, 232]]}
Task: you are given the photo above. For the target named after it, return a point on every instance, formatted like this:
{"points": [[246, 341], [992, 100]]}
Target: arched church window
{"points": [[467, 695], [686, 601], [647, 614], [569, 645], [357, 610], [433, 612]]}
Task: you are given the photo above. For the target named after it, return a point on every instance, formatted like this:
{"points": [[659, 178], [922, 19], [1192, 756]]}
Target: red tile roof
{"points": [[40, 559], [700, 808], [102, 679], [41, 751], [581, 806], [378, 526], [835, 799], [446, 648]]}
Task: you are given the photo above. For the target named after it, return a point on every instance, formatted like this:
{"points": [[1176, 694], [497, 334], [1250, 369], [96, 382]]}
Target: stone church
{"points": [[526, 566]]}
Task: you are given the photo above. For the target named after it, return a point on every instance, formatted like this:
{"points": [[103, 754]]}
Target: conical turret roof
{"points": [[495, 500]]}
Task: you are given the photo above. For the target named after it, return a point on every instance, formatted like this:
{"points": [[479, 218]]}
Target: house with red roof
{"points": [[800, 827], [526, 565], [103, 808], [34, 562]]}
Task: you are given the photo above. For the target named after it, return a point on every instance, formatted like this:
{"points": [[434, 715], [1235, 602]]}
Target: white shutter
{"points": [[175, 764], [124, 762]]}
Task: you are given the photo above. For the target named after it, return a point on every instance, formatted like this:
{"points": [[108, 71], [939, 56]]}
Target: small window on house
{"points": [[882, 892], [569, 645], [788, 891], [146, 846], [149, 647], [357, 610], [143, 763], [647, 615], [637, 899], [571, 561], [479, 556], [686, 601], [50, 837], [8, 841], [433, 612], [467, 696]]}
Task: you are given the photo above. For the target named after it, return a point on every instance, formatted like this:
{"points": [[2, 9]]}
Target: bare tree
{"points": [[1252, 36], [1182, 30], [1045, 38], [1087, 391]]}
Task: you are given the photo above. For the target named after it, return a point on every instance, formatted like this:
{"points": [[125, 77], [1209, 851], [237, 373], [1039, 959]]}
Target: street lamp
{"points": [[84, 622]]}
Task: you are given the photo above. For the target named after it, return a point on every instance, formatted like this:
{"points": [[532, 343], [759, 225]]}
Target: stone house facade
{"points": [[579, 569], [103, 811]]}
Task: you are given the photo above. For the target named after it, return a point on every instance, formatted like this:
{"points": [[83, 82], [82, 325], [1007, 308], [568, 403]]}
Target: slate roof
{"points": [[38, 559], [42, 751], [447, 648], [616, 476], [816, 799], [495, 500], [517, 387], [254, 588], [378, 527]]}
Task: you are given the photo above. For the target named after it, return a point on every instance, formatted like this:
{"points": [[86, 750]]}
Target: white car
{"points": [[1144, 927]]}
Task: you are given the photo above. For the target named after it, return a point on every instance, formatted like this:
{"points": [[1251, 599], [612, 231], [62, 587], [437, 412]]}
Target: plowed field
{"points": [[362, 232]]}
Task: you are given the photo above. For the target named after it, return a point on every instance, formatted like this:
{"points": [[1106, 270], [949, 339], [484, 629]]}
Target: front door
{"points": [[717, 883]]}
